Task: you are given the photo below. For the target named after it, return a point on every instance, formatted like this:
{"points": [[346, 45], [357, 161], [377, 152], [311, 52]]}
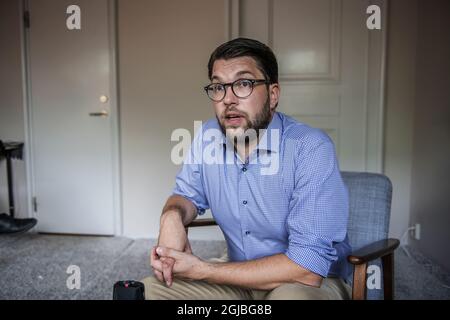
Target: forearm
{"points": [[265, 274], [176, 214]]}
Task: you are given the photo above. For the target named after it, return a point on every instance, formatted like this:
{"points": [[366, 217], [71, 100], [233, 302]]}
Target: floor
{"points": [[34, 266]]}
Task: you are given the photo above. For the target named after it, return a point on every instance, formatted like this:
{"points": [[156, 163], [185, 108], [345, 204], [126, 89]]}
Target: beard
{"points": [[260, 121]]}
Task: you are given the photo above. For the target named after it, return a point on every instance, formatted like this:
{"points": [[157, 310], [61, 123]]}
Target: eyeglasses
{"points": [[241, 88]]}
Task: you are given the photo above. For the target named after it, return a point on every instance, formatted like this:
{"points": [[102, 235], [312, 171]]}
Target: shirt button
{"points": [[244, 202], [244, 169]]}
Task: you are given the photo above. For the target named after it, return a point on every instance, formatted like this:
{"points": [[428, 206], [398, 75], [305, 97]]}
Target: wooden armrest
{"points": [[202, 223], [373, 251]]}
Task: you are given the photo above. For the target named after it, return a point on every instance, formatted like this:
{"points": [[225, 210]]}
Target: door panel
{"points": [[329, 69], [72, 150]]}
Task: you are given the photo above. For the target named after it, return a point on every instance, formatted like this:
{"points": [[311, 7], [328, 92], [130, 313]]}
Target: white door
{"points": [[330, 67], [72, 117]]}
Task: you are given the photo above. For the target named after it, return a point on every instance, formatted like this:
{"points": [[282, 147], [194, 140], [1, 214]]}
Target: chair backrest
{"points": [[370, 197]]}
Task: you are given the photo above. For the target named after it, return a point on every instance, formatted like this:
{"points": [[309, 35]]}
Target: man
{"points": [[286, 227]]}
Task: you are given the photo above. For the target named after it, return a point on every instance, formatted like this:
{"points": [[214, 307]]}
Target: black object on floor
{"points": [[128, 290], [11, 150], [9, 224]]}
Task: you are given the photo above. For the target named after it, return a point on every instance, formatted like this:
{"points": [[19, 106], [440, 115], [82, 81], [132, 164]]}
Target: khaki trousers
{"points": [[331, 289]]}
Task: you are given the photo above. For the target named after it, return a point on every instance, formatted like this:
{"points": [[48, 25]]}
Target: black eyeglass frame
{"points": [[231, 84]]}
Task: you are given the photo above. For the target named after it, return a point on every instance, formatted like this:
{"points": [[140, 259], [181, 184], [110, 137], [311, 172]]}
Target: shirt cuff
{"points": [[309, 259], [200, 210]]}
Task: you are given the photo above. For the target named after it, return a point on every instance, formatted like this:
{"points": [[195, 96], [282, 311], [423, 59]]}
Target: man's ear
{"points": [[274, 95]]}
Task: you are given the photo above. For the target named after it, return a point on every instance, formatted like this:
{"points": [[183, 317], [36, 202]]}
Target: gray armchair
{"points": [[370, 207]]}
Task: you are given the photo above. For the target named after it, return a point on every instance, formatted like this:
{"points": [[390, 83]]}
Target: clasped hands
{"points": [[168, 263]]}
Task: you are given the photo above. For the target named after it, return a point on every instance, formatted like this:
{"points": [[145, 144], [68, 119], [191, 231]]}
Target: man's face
{"points": [[236, 115]]}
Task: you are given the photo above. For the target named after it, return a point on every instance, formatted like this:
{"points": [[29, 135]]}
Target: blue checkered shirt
{"points": [[288, 197]]}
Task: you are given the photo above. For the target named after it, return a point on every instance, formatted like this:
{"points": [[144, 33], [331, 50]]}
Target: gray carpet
{"points": [[33, 266]]}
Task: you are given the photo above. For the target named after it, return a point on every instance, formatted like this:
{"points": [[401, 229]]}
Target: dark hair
{"points": [[243, 47]]}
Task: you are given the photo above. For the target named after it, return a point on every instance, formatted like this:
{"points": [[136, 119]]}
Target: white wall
{"points": [[399, 108], [430, 201], [11, 101], [164, 48]]}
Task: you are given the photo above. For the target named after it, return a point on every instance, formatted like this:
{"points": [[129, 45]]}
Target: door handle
{"points": [[102, 113]]}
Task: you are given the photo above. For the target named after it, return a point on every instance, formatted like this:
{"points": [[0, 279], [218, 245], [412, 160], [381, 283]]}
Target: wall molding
{"points": [[334, 35], [375, 90]]}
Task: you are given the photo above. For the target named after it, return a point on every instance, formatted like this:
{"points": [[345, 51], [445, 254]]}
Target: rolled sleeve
{"points": [[189, 181], [315, 258], [188, 184], [318, 210]]}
